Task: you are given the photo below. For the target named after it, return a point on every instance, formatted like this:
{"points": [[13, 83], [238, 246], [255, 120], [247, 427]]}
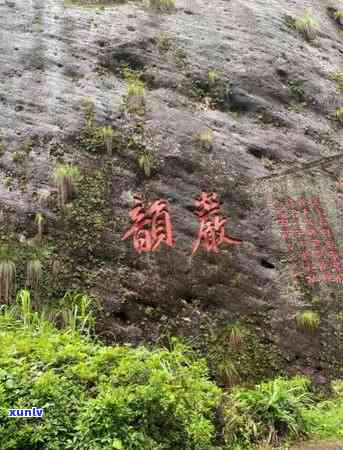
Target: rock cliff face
{"points": [[265, 101]]}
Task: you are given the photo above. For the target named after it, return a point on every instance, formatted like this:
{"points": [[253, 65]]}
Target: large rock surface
{"points": [[269, 113]]}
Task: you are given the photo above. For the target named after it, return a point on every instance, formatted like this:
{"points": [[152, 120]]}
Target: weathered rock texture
{"points": [[269, 110]]}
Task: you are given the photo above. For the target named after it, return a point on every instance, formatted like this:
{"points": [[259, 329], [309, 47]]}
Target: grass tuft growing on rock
{"points": [[338, 115], [7, 278], [146, 162], [308, 321], [162, 6], [134, 99], [338, 78], [205, 139], [307, 25], [34, 273], [108, 134], [65, 178]]}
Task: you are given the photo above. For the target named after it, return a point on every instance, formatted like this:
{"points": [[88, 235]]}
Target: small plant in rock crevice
{"points": [[39, 221], [162, 6], [7, 278], [146, 162], [163, 42], [338, 115], [213, 76], [338, 78], [307, 25], [205, 139], [134, 99], [33, 273], [66, 178], [308, 321], [108, 134], [338, 15]]}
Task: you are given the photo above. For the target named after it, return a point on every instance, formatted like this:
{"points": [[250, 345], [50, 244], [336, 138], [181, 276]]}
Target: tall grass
{"points": [[66, 178], [7, 278]]}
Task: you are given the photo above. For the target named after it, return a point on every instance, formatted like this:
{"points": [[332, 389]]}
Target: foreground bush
{"points": [[268, 413], [96, 397]]}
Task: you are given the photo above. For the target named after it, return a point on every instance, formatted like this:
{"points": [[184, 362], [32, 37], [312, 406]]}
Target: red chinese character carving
{"points": [[328, 276], [312, 279], [150, 229], [211, 232]]}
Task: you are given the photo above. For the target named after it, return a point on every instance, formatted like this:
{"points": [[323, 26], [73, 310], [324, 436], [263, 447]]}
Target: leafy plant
{"points": [[77, 313], [163, 6], [98, 397], [268, 412], [24, 302], [66, 178], [108, 134], [307, 25], [308, 321], [228, 373], [7, 278], [146, 162], [33, 273]]}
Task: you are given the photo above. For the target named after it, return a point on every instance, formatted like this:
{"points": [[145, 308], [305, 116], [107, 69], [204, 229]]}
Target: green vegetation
{"points": [[91, 137], [39, 221], [162, 6], [267, 413], [66, 178], [163, 42], [7, 278], [97, 397], [307, 25], [108, 134], [338, 78], [18, 157], [213, 76], [146, 162], [338, 15], [338, 115], [308, 321], [134, 99], [34, 273], [205, 139]]}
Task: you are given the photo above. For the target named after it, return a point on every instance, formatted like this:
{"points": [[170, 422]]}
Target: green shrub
{"points": [[325, 419], [307, 25], [308, 321], [96, 397], [267, 413]]}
